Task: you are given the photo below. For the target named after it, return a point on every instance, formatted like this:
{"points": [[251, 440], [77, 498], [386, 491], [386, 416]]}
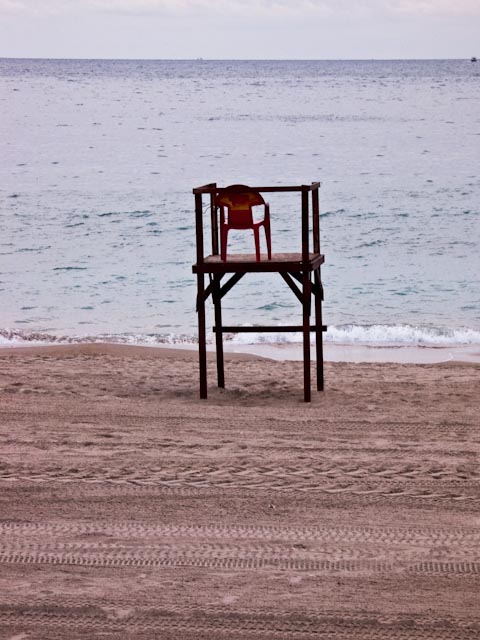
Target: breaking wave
{"points": [[370, 335], [375, 335]]}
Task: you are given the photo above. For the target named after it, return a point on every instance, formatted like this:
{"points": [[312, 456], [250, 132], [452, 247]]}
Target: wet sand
{"points": [[131, 509]]}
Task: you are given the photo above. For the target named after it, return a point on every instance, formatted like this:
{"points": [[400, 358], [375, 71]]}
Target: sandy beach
{"points": [[132, 509]]}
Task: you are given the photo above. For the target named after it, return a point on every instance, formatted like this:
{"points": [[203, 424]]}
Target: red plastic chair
{"points": [[238, 200]]}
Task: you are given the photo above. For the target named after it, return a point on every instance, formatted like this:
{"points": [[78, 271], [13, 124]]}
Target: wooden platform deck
{"points": [[246, 262]]}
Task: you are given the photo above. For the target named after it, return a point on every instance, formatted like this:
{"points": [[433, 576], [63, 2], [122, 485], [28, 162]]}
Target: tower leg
{"points": [[202, 344], [306, 336], [217, 301], [319, 330]]}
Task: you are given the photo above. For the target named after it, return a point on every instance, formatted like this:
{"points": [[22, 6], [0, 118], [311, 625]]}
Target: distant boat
{"points": [[473, 59]]}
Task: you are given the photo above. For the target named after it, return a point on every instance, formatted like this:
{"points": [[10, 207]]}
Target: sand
{"points": [[131, 509]]}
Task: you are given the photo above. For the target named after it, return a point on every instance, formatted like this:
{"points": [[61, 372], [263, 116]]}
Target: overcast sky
{"points": [[246, 29]]}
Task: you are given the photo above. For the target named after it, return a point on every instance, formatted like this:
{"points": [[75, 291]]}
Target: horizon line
{"points": [[202, 59]]}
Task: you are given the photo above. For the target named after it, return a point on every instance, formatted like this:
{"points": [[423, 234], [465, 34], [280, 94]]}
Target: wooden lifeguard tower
{"points": [[302, 267]]}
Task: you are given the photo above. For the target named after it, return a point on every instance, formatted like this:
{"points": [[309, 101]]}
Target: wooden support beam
{"points": [[319, 330], [316, 221], [217, 301], [297, 276], [232, 282], [291, 328], [213, 188], [305, 253], [214, 224], [306, 336], [202, 343], [206, 188], [223, 290], [317, 289], [292, 286], [208, 291]]}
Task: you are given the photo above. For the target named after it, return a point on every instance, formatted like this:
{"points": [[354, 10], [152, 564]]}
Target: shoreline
{"points": [[356, 354]]}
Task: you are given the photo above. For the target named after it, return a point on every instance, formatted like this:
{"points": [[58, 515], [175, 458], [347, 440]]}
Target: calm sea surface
{"points": [[99, 158]]}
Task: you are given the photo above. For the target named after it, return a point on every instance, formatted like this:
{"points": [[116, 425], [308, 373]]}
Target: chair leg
{"points": [[256, 233], [268, 238], [223, 242]]}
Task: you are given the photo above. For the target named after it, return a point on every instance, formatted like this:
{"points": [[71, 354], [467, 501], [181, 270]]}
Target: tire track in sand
{"points": [[222, 623], [421, 481], [322, 549]]}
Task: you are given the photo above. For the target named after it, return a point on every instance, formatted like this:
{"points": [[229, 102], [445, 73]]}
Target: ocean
{"points": [[99, 159]]}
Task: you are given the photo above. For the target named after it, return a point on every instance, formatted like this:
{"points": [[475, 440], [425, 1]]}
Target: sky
{"points": [[240, 29]]}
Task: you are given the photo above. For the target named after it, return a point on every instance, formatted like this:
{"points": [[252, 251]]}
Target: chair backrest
{"points": [[239, 199]]}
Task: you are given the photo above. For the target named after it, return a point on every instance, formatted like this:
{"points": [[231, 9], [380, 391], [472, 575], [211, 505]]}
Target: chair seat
{"points": [[236, 204]]}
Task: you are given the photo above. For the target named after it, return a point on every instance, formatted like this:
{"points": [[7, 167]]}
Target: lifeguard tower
{"points": [[231, 208]]}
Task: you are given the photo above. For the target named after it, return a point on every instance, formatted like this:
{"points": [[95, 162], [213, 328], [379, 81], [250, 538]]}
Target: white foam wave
{"points": [[402, 335], [374, 335], [10, 338], [15, 338], [369, 335]]}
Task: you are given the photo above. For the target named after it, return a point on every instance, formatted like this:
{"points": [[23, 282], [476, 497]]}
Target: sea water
{"points": [[99, 158]]}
